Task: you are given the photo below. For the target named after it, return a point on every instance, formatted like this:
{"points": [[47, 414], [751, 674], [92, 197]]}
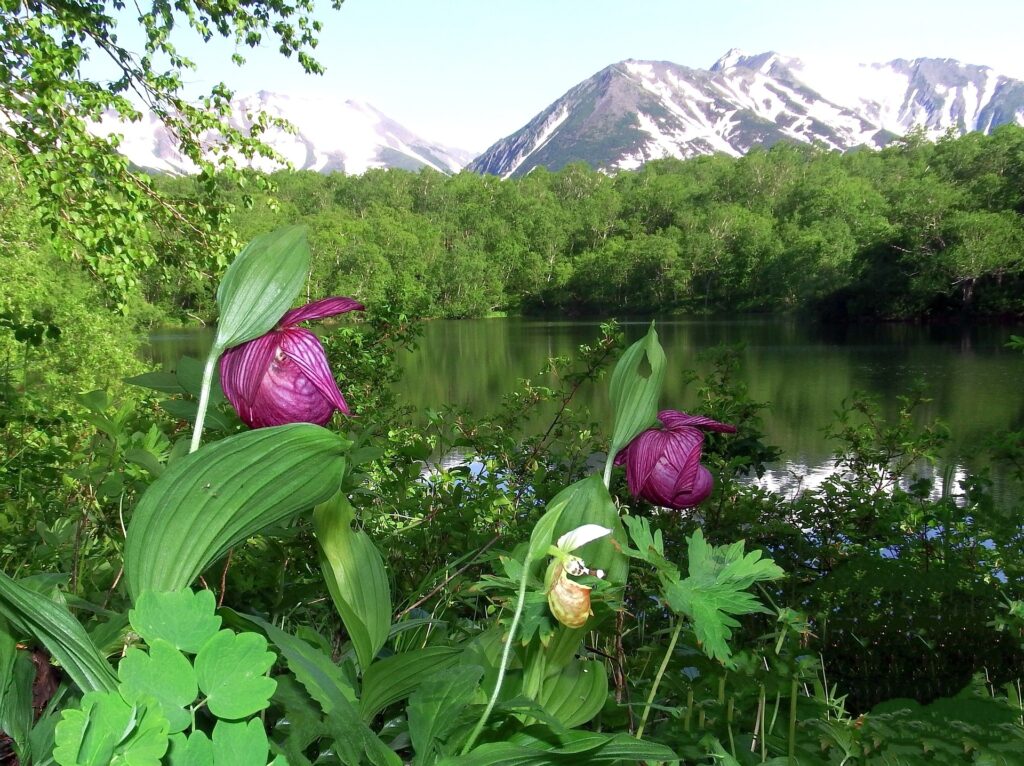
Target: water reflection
{"points": [[804, 371]]}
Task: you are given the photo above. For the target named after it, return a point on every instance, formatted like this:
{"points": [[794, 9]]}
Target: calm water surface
{"points": [[804, 371]]}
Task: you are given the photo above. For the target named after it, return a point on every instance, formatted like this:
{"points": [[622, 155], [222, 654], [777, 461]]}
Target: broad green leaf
{"points": [[389, 680], [588, 502], [181, 618], [231, 669], [164, 674], [260, 285], [716, 589], [575, 693], [302, 722], [190, 377], [435, 706], [572, 748], [186, 409], [356, 578], [241, 743], [634, 389], [223, 493], [108, 730], [165, 382], [194, 750], [32, 614], [16, 713]]}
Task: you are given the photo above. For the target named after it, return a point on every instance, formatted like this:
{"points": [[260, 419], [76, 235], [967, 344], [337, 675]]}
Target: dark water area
{"points": [[804, 371]]}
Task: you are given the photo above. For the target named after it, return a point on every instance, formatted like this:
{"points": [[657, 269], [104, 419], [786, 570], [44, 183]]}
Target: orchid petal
{"points": [[698, 493], [303, 348], [321, 309], [243, 368], [674, 420], [644, 452], [580, 536]]}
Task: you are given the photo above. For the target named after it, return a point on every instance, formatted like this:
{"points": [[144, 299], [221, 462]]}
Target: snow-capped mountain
{"points": [[332, 135], [635, 111]]}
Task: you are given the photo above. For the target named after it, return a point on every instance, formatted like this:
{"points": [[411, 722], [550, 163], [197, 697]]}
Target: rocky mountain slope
{"points": [[635, 111]]}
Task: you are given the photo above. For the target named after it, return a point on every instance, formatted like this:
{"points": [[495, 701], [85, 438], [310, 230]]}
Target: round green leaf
{"points": [[231, 671], [194, 750], [184, 619], [240, 744], [164, 674]]}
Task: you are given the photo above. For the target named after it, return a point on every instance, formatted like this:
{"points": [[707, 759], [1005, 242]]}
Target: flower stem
{"points": [[657, 678], [520, 601], [609, 463], [204, 397]]}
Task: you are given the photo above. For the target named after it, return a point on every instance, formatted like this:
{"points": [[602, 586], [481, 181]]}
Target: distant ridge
{"points": [[635, 111], [332, 135]]}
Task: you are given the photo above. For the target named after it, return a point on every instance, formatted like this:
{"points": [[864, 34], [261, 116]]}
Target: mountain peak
{"points": [[637, 111]]}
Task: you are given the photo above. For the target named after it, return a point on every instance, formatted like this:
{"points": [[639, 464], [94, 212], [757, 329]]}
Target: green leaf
{"points": [[186, 409], [389, 680], [588, 502], [241, 743], [194, 750], [181, 618], [107, 730], [166, 382], [572, 748], [356, 578], [223, 493], [435, 706], [716, 588], [51, 624], [322, 678], [635, 388], [16, 713], [260, 285], [164, 674], [575, 693], [189, 375], [231, 669]]}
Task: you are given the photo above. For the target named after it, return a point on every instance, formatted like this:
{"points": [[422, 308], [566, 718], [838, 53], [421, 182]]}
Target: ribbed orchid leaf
{"points": [[260, 285], [398, 676], [634, 389], [574, 747], [356, 578], [588, 502], [227, 491], [575, 693], [32, 614]]}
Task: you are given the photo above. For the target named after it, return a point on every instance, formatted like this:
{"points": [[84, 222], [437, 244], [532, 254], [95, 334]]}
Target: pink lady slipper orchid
{"points": [[663, 464], [283, 377]]}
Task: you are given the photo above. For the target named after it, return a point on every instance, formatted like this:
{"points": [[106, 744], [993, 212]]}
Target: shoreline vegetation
{"points": [[918, 231]]}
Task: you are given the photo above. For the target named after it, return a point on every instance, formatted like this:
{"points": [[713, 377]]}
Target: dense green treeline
{"points": [[917, 230]]}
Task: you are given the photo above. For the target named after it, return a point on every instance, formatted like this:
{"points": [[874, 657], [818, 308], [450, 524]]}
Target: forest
{"points": [[919, 231]]}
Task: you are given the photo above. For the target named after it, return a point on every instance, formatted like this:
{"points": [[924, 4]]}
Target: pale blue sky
{"points": [[468, 72]]}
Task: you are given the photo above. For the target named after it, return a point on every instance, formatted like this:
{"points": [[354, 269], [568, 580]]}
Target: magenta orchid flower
{"points": [[283, 376], [663, 464]]}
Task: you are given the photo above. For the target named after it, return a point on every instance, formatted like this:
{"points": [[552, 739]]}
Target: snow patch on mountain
{"points": [[330, 135]]}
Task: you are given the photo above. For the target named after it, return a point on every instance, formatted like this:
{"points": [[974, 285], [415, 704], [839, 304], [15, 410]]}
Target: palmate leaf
{"points": [[182, 618], [227, 491], [164, 674], [231, 670], [106, 730], [716, 589]]}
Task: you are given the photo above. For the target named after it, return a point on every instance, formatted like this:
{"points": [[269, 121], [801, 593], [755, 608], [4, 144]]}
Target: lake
{"points": [[803, 370]]}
